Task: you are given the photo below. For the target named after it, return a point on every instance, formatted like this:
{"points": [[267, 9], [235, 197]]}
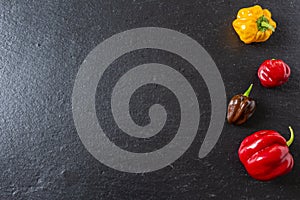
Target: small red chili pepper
{"points": [[265, 154], [273, 73]]}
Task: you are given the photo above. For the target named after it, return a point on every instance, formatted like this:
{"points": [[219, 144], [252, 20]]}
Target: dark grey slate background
{"points": [[43, 43]]}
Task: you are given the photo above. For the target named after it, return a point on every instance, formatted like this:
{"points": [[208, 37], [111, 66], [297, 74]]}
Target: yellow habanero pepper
{"points": [[254, 24]]}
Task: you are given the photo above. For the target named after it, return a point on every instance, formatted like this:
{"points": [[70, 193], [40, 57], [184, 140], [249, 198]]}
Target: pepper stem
{"points": [[267, 25], [246, 94], [290, 141], [263, 24]]}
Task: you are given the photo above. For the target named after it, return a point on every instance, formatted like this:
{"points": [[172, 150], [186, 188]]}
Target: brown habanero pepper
{"points": [[241, 107]]}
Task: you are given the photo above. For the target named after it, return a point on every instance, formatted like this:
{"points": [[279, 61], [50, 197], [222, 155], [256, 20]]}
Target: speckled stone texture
{"points": [[43, 43]]}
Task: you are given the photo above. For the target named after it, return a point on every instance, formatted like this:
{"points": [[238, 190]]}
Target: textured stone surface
{"points": [[43, 43]]}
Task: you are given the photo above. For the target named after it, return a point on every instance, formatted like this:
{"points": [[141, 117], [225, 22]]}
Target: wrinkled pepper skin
{"points": [[265, 155], [241, 107], [254, 24], [273, 73]]}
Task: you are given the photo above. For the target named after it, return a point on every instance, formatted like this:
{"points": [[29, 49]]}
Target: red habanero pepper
{"points": [[273, 73], [265, 154]]}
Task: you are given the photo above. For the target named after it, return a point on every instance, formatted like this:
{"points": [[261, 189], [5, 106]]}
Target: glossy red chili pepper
{"points": [[265, 154], [273, 73]]}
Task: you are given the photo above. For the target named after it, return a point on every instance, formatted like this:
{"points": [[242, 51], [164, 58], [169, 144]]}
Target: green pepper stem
{"points": [[246, 94], [267, 25], [290, 141]]}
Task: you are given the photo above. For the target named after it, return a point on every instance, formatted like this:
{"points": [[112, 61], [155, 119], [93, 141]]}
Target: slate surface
{"points": [[42, 45]]}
